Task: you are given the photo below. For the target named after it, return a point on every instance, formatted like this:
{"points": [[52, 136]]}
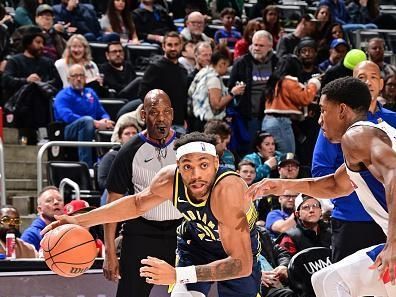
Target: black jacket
{"points": [[242, 71]]}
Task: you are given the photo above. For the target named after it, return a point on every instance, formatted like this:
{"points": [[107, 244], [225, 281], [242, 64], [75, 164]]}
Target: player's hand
{"points": [[158, 272], [265, 187], [111, 266], [60, 220], [385, 263]]}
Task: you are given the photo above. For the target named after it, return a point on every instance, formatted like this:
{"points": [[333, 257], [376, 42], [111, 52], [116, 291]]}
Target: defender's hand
{"points": [[385, 263], [158, 272], [111, 266], [265, 187], [60, 220]]}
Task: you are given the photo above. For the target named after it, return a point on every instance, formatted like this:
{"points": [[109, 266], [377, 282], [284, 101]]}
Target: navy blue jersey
{"points": [[199, 234]]}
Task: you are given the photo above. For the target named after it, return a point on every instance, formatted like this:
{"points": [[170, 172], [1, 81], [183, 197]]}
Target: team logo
{"points": [[203, 147]]}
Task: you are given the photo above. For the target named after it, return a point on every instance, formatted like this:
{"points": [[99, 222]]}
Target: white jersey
{"points": [[370, 191]]}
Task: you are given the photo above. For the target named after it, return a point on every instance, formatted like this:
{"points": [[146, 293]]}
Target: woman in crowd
{"points": [[323, 15], [78, 52], [285, 97], [389, 92], [118, 18], [271, 18], [242, 45], [266, 157], [209, 94], [127, 126]]}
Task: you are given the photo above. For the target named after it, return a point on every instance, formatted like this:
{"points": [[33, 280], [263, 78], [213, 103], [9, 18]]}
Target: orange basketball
{"points": [[69, 250]]}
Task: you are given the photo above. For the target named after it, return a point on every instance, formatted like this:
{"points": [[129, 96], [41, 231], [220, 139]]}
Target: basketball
{"points": [[69, 250]]}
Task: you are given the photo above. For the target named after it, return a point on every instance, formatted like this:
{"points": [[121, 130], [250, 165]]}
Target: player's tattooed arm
{"points": [[219, 270]]}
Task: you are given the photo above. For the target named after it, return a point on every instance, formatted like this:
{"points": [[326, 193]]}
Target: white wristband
{"points": [[186, 275]]}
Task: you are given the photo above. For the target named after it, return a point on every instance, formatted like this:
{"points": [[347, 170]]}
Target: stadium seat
{"points": [[98, 51], [305, 263], [102, 136], [141, 55], [112, 106], [77, 172]]}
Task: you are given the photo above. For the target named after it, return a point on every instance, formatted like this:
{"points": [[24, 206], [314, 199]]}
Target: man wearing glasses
{"points": [[195, 26], [9, 223], [310, 230]]}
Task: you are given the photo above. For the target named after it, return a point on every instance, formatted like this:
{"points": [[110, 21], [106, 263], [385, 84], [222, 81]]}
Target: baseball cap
{"points": [[354, 57], [43, 8], [336, 42], [77, 206], [288, 158], [301, 198]]}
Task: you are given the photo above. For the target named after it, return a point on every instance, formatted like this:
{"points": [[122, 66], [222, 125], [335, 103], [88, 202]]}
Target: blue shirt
{"points": [[327, 157], [232, 37], [70, 105], [32, 233], [272, 217]]}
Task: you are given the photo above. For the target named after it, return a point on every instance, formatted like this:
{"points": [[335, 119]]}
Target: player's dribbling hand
{"points": [[385, 263], [60, 220], [265, 187], [111, 267], [158, 272]]}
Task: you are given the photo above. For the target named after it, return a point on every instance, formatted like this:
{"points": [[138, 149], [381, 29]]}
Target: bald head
{"points": [[154, 96], [76, 68], [195, 23], [76, 77], [369, 73]]}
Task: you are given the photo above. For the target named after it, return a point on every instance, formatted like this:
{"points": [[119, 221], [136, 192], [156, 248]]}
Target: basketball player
{"points": [[217, 239], [370, 170]]}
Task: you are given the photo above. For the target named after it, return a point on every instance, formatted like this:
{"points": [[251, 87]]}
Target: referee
{"points": [[153, 234]]}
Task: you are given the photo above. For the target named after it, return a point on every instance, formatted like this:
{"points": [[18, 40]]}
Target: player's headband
{"points": [[196, 147]]}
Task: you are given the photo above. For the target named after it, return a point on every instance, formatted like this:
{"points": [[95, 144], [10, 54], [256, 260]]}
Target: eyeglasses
{"points": [[77, 75], [6, 220], [290, 166], [307, 207], [197, 23], [390, 85]]}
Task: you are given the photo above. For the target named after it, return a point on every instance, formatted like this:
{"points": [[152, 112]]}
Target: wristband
{"points": [[186, 275]]}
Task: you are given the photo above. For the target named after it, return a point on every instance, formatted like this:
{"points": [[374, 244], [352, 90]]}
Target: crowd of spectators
{"points": [[252, 79]]}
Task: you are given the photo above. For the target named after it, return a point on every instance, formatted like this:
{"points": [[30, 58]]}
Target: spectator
{"points": [[76, 207], [218, 5], [9, 223], [134, 167], [222, 131], [247, 170], [187, 58], [310, 230], [118, 19], [338, 50], [338, 10], [389, 92], [266, 157], [208, 92], [307, 51], [195, 25], [79, 107], [344, 67], [242, 45], [202, 54], [152, 22], [375, 53], [24, 13], [283, 219], [254, 70], [78, 52], [119, 77], [227, 35], [171, 77], [54, 44], [29, 70], [285, 96], [363, 11], [271, 19], [274, 261], [306, 27], [49, 203], [81, 19], [350, 221], [127, 126], [323, 15], [288, 166]]}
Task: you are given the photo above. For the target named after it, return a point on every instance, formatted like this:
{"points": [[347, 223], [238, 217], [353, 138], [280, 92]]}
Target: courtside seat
{"points": [[305, 263]]}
